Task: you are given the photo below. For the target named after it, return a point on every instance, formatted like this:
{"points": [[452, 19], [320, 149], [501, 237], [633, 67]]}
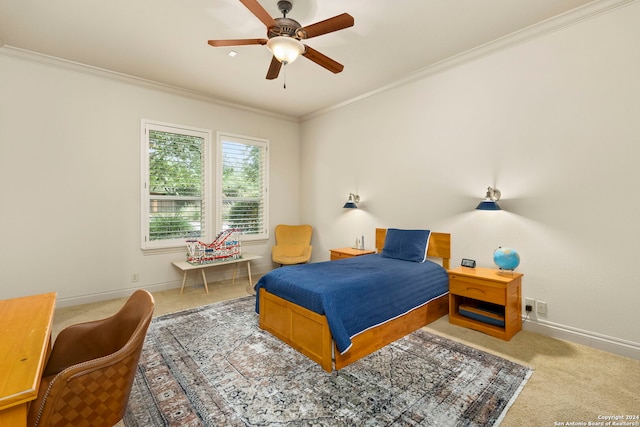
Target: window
{"points": [[242, 177], [175, 185]]}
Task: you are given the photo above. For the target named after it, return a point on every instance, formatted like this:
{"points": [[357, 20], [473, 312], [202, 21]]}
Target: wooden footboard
{"points": [[308, 332], [303, 329]]}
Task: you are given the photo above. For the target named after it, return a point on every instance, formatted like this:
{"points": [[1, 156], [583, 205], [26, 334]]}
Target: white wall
{"points": [[70, 156], [552, 122]]}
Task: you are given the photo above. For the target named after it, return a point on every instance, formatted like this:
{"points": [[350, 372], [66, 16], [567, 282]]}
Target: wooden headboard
{"points": [[439, 245]]}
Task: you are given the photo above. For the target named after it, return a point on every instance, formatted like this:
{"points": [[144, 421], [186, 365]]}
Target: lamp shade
{"points": [[490, 201], [488, 205], [352, 202], [285, 49]]}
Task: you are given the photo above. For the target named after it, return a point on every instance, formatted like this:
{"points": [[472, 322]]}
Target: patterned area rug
{"points": [[213, 366]]}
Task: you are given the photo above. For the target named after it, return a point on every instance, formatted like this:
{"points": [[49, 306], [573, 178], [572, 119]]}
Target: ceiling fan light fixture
{"points": [[286, 49]]}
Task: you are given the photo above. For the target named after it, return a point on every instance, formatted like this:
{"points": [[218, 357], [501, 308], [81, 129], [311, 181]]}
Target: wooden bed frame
{"points": [[308, 332]]}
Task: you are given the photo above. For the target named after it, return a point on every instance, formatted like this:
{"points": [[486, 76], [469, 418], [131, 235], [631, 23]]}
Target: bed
{"points": [[290, 311]]}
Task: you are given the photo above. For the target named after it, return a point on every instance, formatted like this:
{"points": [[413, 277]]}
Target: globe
{"points": [[506, 258]]}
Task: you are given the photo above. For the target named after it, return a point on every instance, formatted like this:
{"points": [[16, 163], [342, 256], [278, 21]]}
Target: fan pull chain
{"points": [[284, 75]]}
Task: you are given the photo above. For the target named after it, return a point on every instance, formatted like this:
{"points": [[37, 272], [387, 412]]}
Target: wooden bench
{"points": [[186, 267]]}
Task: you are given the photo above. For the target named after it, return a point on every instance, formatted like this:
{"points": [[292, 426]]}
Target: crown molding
{"points": [[567, 19], [52, 61]]}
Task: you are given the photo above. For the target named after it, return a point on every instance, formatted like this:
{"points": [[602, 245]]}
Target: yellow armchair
{"points": [[293, 244]]}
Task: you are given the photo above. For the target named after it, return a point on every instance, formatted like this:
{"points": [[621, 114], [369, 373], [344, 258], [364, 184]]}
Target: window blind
{"points": [[244, 186], [175, 187]]}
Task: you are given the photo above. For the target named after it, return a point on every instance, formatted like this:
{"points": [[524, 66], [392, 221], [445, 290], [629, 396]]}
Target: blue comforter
{"points": [[357, 293]]}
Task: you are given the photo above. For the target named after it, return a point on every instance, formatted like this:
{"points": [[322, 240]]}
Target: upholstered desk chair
{"points": [[293, 244], [90, 372]]}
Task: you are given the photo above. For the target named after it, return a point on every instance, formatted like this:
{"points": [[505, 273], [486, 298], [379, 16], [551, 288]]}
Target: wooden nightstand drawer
{"points": [[339, 255], [343, 253], [477, 289]]}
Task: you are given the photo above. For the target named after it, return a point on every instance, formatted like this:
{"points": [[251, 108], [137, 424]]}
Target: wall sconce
{"points": [[490, 200], [354, 199]]}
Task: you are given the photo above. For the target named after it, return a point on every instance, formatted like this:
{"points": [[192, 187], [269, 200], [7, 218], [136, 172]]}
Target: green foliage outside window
{"points": [[175, 185], [179, 193], [242, 187]]}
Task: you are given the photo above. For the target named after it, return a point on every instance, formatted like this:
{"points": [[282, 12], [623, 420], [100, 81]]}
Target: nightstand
{"points": [[343, 253], [487, 300]]}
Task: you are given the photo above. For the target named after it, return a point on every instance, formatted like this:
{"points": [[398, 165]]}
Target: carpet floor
{"points": [[213, 366]]}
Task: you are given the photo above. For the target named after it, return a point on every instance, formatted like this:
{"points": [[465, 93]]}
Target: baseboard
{"points": [[590, 339], [115, 294], [157, 287]]}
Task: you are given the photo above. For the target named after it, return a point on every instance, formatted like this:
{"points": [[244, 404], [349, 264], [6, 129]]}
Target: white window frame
{"points": [[206, 134], [247, 140]]}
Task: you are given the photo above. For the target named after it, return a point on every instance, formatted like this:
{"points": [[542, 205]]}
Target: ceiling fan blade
{"points": [[274, 69], [330, 25], [259, 12], [322, 60], [239, 42]]}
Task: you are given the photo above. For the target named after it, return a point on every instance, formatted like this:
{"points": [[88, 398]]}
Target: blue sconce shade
{"points": [[352, 202], [488, 205], [490, 200]]}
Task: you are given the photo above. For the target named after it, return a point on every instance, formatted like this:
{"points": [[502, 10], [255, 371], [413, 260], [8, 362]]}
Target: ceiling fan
{"points": [[284, 37]]}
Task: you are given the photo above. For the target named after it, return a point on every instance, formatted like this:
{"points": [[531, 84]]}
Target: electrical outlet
{"points": [[541, 308], [529, 302], [135, 277]]}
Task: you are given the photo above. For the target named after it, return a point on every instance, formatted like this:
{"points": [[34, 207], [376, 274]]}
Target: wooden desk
{"points": [[186, 267], [25, 328]]}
